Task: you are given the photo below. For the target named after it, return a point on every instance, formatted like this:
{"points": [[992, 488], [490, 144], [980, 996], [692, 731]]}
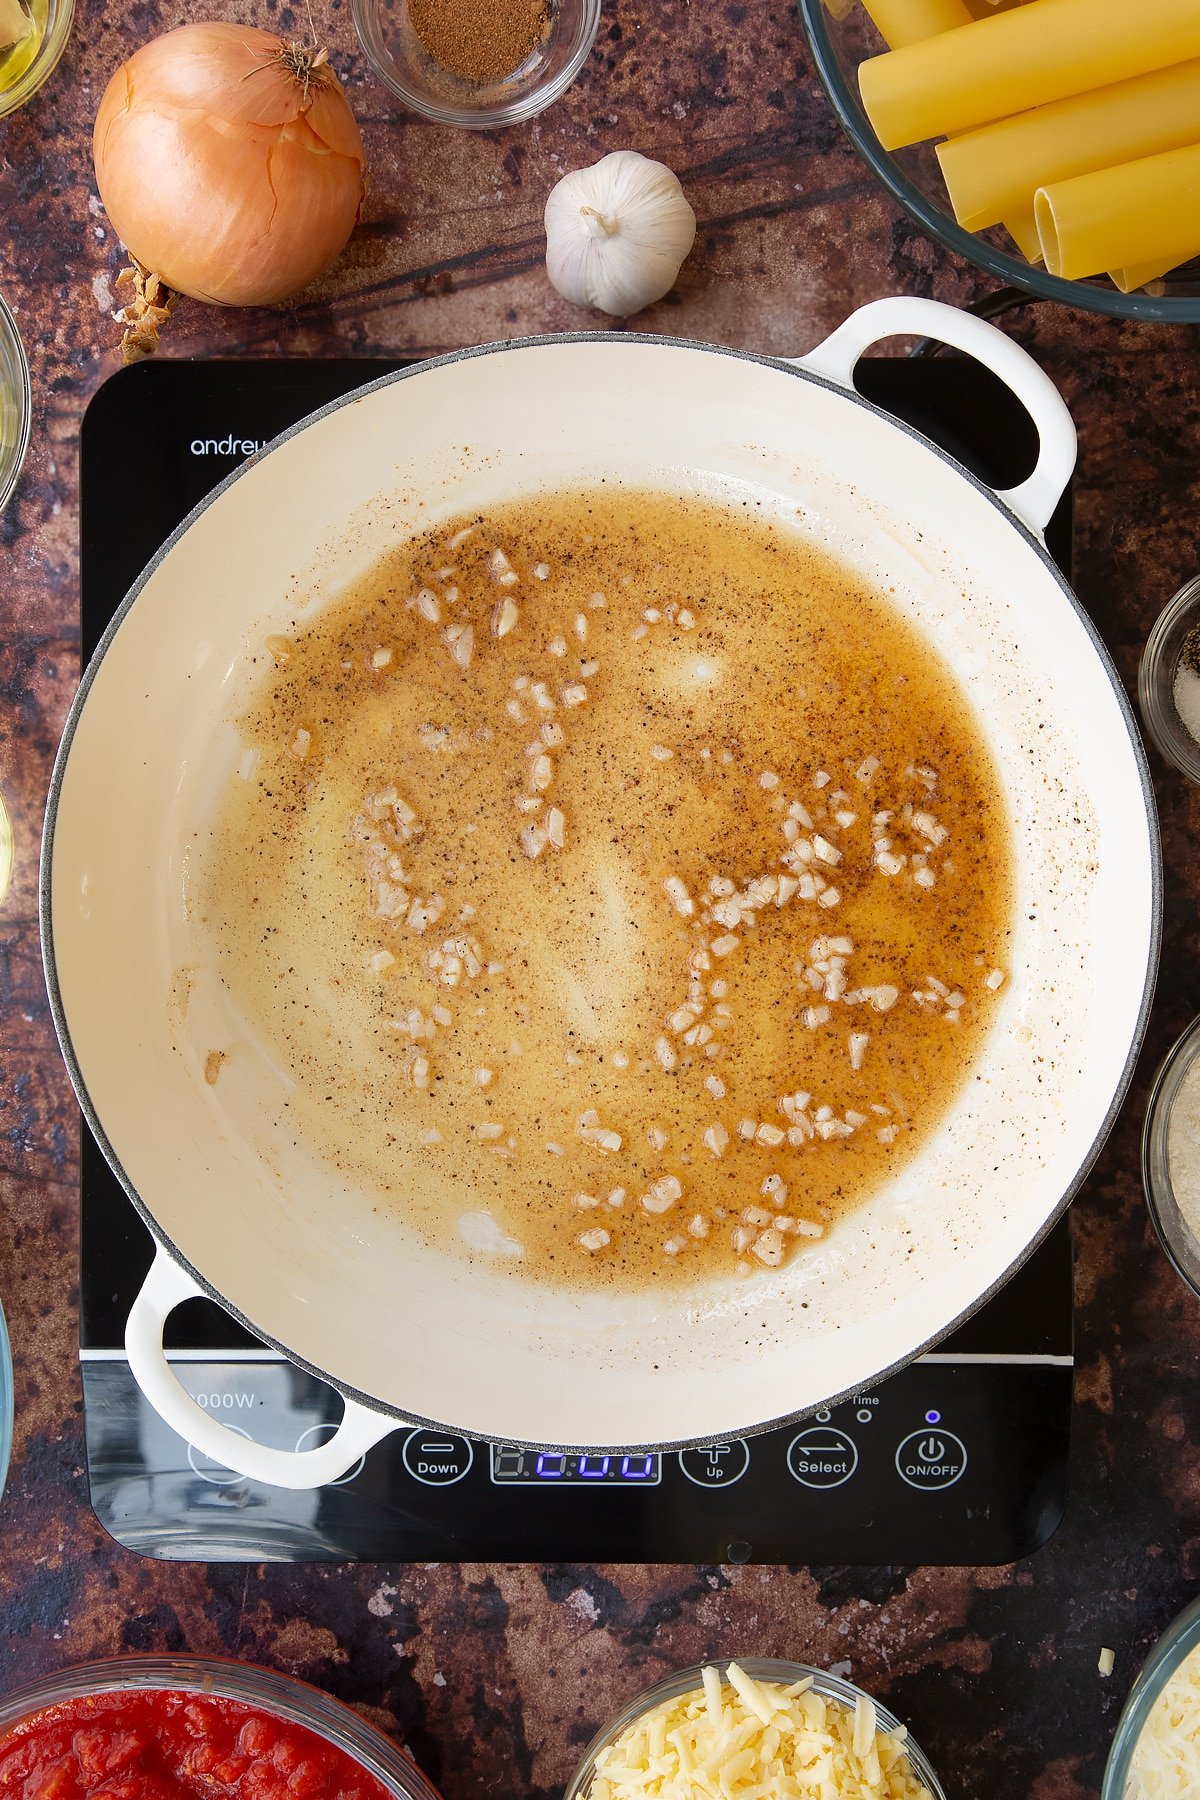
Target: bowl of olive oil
{"points": [[33, 35]]}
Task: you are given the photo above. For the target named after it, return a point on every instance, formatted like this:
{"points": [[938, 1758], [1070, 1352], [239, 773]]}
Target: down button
{"points": [[437, 1458]]}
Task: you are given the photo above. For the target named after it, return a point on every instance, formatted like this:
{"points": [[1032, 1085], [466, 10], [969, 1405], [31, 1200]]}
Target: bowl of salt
{"points": [[1171, 1155], [1169, 681]]}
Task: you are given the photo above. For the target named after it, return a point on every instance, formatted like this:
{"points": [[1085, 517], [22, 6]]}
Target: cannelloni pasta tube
{"points": [[1021, 227], [1143, 212], [1138, 275], [901, 22], [993, 172], [1027, 57]]}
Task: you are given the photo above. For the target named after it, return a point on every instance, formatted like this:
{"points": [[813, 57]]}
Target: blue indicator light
{"points": [[637, 1468], [594, 1474], [547, 1471], [933, 1418]]}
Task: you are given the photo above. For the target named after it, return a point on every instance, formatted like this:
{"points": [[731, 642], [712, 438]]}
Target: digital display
{"points": [[561, 1468]]}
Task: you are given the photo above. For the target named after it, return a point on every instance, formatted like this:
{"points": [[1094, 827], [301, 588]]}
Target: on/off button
{"points": [[930, 1460]]}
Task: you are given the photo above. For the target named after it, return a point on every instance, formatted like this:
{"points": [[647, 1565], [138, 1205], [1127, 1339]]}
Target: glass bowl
{"points": [[762, 1668], [1177, 1641], [1156, 679], [387, 34], [16, 404], [281, 1695], [52, 22], [1180, 1242], [913, 177]]}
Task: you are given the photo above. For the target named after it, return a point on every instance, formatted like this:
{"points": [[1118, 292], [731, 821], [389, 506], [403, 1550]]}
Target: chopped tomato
{"points": [[159, 1744]]}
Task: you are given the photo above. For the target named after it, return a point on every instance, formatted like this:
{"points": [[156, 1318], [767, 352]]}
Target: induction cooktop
{"points": [[961, 1458]]}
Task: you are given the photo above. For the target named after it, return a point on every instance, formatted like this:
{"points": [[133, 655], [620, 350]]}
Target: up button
{"points": [[931, 1459]]}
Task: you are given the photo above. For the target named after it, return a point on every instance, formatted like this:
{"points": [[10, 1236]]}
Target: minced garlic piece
{"points": [[756, 1740]]}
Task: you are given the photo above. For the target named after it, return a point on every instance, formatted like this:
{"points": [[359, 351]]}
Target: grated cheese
{"points": [[1166, 1758], [744, 1739]]}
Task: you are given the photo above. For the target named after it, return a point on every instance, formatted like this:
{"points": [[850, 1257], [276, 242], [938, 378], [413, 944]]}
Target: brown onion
{"points": [[229, 162]]}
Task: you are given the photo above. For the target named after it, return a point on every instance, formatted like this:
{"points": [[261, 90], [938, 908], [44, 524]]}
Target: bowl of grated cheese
{"points": [[1155, 1752], [757, 1729]]}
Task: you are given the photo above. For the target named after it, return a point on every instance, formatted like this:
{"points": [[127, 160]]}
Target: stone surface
{"points": [[496, 1675]]}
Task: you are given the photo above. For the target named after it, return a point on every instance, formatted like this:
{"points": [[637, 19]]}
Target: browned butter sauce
{"points": [[625, 886]]}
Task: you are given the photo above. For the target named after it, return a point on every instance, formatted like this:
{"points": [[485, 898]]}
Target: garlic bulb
{"points": [[617, 233]]}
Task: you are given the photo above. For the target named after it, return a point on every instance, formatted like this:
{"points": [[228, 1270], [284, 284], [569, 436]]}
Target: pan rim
{"points": [[634, 341]]}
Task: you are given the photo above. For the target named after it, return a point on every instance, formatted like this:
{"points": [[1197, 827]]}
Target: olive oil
{"points": [[624, 885]]}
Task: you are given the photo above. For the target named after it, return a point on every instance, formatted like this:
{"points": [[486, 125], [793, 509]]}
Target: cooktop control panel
{"points": [[962, 1457], [946, 1462]]}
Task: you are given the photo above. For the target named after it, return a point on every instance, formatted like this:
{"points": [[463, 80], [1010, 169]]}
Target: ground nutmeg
{"points": [[480, 42]]}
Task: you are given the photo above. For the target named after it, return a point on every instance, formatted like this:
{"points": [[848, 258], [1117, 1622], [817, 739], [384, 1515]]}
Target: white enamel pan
{"points": [[243, 1215]]}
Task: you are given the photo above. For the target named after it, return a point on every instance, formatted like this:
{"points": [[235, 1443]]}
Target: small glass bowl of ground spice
{"points": [[463, 63], [1169, 681], [1171, 1155]]}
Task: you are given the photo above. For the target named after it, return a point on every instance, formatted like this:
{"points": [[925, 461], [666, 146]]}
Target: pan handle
{"points": [[904, 316], [164, 1288]]}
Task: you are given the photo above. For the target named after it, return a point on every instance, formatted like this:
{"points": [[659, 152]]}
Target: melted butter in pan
{"points": [[626, 887]]}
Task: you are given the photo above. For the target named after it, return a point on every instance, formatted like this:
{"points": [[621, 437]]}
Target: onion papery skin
{"points": [[222, 171]]}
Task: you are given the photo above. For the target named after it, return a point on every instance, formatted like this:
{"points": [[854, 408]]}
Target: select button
{"points": [[930, 1460], [822, 1457], [436, 1458]]}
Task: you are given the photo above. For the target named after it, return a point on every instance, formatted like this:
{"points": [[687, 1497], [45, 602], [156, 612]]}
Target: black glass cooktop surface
{"points": [[961, 1458]]}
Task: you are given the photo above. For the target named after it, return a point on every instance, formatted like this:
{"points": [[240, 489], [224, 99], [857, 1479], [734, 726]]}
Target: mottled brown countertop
{"points": [[495, 1675]]}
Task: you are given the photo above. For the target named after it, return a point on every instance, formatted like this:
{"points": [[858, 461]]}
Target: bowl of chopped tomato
{"points": [[185, 1728]]}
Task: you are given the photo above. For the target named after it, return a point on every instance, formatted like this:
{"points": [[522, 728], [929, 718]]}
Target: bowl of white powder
{"points": [[1171, 1155], [1169, 681]]}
